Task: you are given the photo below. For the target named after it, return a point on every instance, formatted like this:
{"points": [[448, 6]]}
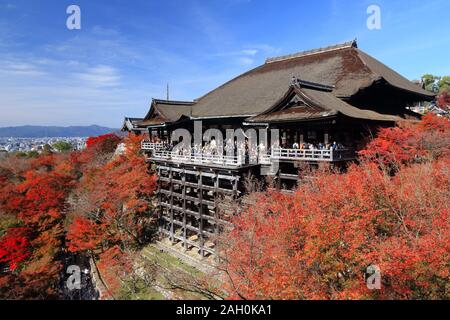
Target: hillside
{"points": [[54, 131]]}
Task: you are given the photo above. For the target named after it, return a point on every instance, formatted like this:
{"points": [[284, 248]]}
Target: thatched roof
{"points": [[166, 111], [130, 124], [308, 101], [344, 66]]}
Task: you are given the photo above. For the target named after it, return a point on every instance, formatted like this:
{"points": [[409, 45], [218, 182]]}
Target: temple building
{"points": [[312, 107]]}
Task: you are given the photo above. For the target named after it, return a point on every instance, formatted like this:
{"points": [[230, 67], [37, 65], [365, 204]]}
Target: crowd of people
{"points": [[318, 146], [241, 149]]}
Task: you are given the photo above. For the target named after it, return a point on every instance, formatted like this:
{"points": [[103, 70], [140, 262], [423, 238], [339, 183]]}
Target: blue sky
{"points": [[126, 51]]}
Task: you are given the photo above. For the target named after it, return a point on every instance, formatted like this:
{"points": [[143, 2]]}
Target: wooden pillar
{"points": [[200, 226], [235, 187], [216, 213], [279, 179], [172, 238], [160, 209], [183, 179]]}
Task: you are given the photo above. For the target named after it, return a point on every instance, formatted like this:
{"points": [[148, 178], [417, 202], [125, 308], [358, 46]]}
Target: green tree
{"points": [[32, 154], [63, 146], [444, 84], [430, 82], [436, 84], [47, 149]]}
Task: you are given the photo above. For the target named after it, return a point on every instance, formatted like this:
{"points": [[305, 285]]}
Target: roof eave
{"points": [[332, 116], [221, 117]]}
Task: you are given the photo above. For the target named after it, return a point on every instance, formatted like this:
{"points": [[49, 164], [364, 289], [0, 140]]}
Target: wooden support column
{"points": [[279, 179], [183, 179], [235, 187], [200, 202], [326, 137], [216, 213], [160, 207], [172, 238]]}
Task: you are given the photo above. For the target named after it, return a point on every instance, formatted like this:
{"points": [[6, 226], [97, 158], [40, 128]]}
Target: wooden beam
{"points": [[171, 208], [183, 178]]}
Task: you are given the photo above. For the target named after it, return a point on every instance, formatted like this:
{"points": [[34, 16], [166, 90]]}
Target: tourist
{"points": [[213, 146], [262, 148], [334, 145]]}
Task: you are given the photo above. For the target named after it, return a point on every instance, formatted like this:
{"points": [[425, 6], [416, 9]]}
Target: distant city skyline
{"points": [[38, 144], [126, 52], [54, 131]]}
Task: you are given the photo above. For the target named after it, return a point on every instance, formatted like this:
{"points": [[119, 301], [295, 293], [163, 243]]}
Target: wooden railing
{"points": [[151, 146], [199, 158], [328, 155], [297, 154]]}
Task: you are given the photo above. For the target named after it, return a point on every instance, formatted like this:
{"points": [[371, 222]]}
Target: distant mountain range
{"points": [[43, 131]]}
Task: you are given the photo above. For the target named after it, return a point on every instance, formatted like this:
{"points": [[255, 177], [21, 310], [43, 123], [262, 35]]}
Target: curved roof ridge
{"points": [[159, 104], [345, 45], [173, 102]]}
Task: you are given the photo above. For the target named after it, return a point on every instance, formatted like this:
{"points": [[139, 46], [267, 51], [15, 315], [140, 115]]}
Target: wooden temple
{"points": [[322, 103]]}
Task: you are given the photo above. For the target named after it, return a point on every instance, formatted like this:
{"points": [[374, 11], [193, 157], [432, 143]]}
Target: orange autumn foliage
{"points": [[318, 242], [114, 265], [35, 196], [115, 214], [116, 198], [443, 100], [410, 142], [39, 193], [104, 143], [83, 235], [14, 247]]}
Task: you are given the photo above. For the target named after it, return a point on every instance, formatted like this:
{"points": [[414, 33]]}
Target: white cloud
{"points": [[245, 61], [266, 48], [249, 52], [105, 32], [243, 52], [100, 76], [20, 68]]}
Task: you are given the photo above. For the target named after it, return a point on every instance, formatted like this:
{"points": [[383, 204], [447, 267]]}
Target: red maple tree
{"points": [[318, 242], [115, 212], [102, 195], [36, 197], [14, 247]]}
